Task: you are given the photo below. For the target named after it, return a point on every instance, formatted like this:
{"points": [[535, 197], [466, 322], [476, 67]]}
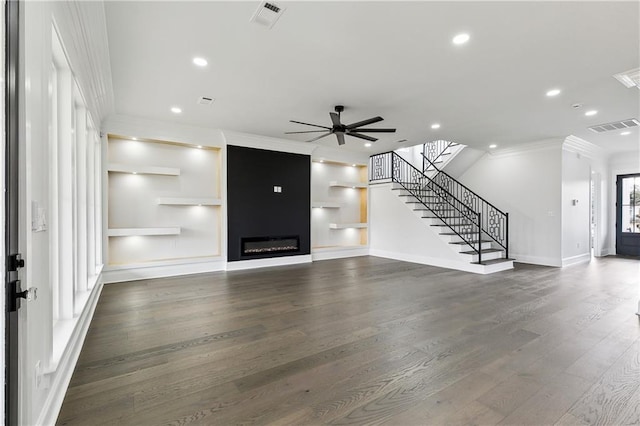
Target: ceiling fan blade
{"points": [[375, 130], [319, 137], [365, 137], [364, 122], [309, 124], [335, 119], [307, 131], [340, 137]]}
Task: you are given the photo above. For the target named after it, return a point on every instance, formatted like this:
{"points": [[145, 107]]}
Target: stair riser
{"points": [[485, 256], [467, 247]]}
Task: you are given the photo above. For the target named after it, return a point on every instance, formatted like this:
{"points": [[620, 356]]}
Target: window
{"points": [[630, 204]]}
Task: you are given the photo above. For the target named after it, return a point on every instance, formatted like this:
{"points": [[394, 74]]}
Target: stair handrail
{"points": [[417, 189], [492, 215], [440, 146]]}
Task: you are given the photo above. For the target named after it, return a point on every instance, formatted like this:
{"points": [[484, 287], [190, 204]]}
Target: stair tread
{"points": [[493, 261], [469, 242], [483, 251], [454, 233]]}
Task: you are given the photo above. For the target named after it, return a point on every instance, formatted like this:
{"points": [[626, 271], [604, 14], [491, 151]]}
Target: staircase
{"points": [[471, 226]]}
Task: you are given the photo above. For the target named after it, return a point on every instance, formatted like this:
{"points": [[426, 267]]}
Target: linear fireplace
{"points": [[269, 245]]}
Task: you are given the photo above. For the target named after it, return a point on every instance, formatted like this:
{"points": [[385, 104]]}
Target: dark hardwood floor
{"points": [[365, 341]]}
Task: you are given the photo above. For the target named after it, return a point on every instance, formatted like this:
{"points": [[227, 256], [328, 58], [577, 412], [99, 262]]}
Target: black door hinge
{"points": [[16, 294], [15, 262]]}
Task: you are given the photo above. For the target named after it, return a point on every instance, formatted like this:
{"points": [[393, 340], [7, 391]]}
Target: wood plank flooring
{"points": [[365, 341]]}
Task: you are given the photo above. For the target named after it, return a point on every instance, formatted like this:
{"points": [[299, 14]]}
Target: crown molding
{"points": [[269, 143], [543, 145], [578, 145]]}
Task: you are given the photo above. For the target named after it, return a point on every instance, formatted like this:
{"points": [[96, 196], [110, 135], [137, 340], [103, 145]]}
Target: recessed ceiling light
{"points": [[176, 110], [200, 146], [493, 145], [353, 165], [201, 62], [367, 144], [625, 133], [553, 92], [135, 173], [134, 139], [591, 113], [461, 38], [322, 161], [435, 126]]}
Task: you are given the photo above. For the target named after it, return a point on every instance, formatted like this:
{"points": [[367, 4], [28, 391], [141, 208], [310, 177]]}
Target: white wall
{"points": [[526, 183], [397, 232], [82, 28], [576, 180]]}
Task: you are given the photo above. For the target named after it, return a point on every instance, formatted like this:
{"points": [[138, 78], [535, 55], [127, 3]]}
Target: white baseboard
{"points": [[338, 252], [60, 378], [431, 261], [536, 260], [137, 272], [573, 260], [271, 261]]}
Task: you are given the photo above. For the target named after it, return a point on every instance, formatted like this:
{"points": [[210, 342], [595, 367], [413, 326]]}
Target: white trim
{"points": [[272, 261], [543, 145], [168, 269], [61, 376], [638, 313], [268, 143], [536, 260], [442, 263], [573, 260], [327, 253]]}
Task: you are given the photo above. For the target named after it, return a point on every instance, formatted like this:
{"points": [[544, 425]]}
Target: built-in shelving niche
{"points": [[164, 202], [339, 205]]}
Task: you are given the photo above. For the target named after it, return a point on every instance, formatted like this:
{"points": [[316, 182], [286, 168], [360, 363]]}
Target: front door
{"points": [[13, 262], [628, 215]]}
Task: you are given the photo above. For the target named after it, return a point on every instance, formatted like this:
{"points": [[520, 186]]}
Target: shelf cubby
{"points": [[185, 201], [128, 232], [326, 204], [347, 225], [143, 170], [340, 184]]}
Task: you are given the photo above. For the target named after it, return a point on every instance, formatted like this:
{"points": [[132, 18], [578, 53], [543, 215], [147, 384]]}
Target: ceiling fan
{"points": [[339, 129]]}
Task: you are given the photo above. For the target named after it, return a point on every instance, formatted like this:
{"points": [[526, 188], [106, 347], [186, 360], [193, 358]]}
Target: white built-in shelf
{"points": [[335, 183], [127, 232], [183, 201], [326, 204], [143, 170], [347, 225]]}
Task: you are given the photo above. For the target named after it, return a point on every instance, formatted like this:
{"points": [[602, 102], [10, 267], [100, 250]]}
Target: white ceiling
{"points": [[393, 59]]}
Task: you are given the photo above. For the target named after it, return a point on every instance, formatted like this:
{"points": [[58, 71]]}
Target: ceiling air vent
{"points": [[616, 125], [629, 78], [205, 100], [267, 14]]}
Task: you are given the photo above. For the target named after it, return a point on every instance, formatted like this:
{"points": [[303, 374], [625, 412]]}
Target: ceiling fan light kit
{"points": [[340, 130]]}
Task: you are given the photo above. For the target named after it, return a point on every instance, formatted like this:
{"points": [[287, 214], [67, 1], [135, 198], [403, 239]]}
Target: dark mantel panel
{"points": [[255, 210]]}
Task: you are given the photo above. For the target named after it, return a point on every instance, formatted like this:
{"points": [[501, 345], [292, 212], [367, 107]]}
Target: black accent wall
{"points": [[255, 210]]}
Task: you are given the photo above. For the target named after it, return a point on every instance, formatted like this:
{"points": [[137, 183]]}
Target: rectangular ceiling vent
{"points": [[629, 78], [616, 125], [267, 14], [204, 100]]}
